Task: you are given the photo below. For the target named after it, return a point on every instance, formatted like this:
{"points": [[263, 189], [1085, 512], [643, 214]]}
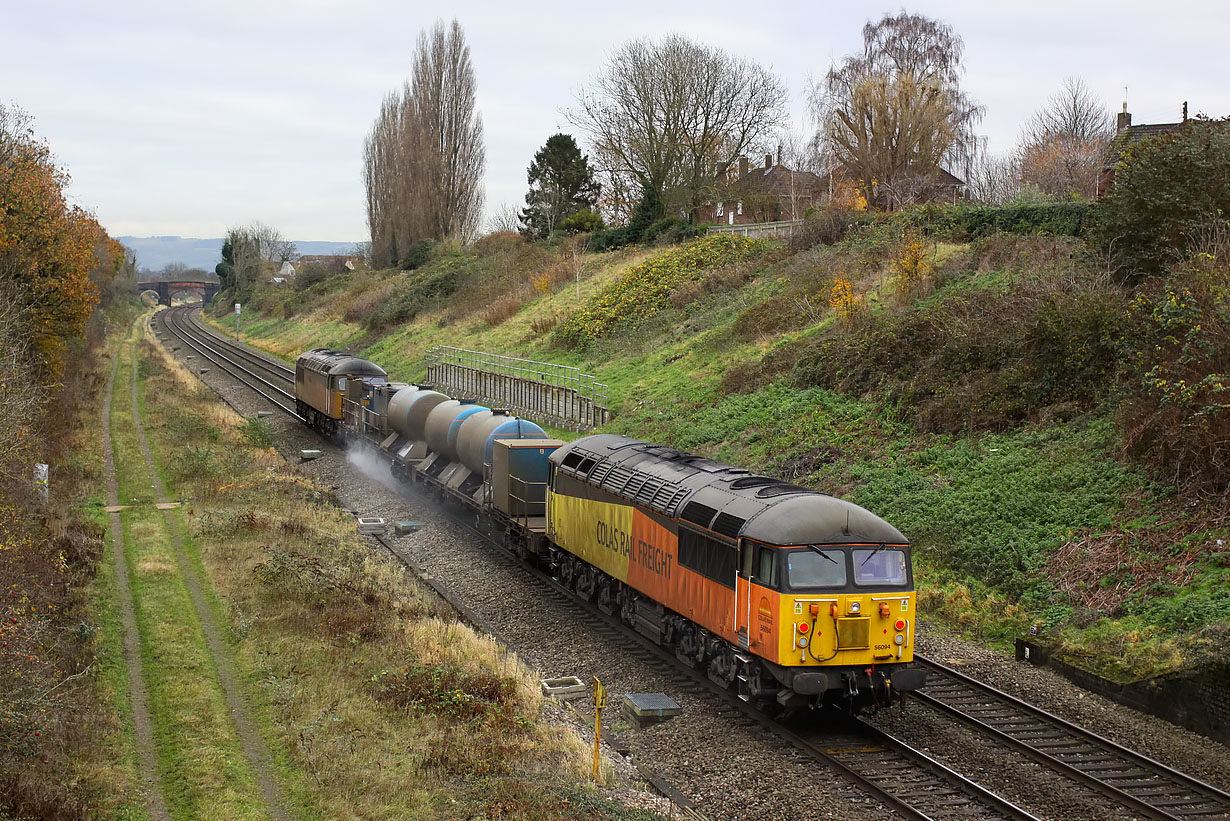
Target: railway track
{"points": [[908, 781], [1134, 781], [903, 778], [226, 355]]}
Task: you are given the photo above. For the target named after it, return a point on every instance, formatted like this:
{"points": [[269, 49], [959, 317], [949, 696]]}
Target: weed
{"points": [[258, 432]]}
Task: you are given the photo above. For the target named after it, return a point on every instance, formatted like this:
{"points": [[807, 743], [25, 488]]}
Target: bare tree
{"points": [[505, 218], [993, 178], [800, 155], [894, 112], [1063, 145], [666, 112], [423, 159]]}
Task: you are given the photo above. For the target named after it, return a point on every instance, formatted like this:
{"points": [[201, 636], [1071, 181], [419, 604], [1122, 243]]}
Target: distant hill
{"points": [[156, 253]]}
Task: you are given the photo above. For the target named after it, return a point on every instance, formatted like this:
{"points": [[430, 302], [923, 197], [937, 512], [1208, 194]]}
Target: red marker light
{"points": [[900, 625], [803, 627]]}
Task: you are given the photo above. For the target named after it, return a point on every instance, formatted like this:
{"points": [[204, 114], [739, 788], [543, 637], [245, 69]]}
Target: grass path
{"points": [[210, 757], [138, 691], [254, 746]]}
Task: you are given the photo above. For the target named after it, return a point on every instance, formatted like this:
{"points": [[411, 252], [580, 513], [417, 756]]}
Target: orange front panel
{"points": [[758, 617]]}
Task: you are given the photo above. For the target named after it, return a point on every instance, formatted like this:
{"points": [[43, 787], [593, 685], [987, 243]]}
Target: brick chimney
{"points": [[1124, 120], [768, 161], [742, 167]]}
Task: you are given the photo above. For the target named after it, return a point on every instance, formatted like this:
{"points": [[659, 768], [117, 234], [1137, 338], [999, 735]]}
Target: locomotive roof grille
{"points": [[726, 501], [728, 525], [698, 514]]}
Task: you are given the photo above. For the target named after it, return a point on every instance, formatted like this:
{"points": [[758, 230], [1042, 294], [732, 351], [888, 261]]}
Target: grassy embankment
{"points": [[967, 390], [377, 703]]}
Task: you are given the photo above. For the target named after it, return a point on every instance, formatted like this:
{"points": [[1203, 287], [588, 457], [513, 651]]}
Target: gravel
{"points": [[731, 768]]}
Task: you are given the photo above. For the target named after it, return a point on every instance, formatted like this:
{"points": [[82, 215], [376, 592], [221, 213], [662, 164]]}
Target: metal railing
{"points": [[542, 391], [781, 228]]}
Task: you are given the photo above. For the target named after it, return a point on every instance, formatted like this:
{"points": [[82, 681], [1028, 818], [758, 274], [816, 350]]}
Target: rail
{"points": [[781, 228], [543, 391]]}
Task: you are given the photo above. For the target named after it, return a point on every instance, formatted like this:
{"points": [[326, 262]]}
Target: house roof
{"points": [[1132, 134]]}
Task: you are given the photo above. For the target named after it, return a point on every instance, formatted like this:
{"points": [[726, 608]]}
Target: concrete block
{"points": [[565, 688], [372, 526], [404, 528], [644, 709], [308, 455], [263, 414], [203, 370]]}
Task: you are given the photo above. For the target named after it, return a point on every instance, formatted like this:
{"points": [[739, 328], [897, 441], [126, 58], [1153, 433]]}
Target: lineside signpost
{"points": [[599, 703], [236, 321]]}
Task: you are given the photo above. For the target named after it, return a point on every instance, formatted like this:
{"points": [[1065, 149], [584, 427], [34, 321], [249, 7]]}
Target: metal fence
{"points": [[781, 228], [542, 391]]}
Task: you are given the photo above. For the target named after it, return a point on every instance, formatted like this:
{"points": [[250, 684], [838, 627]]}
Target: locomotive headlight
{"points": [[855, 607], [802, 641], [899, 639]]}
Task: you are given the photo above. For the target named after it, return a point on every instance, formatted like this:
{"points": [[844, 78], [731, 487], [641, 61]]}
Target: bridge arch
{"points": [[165, 289]]}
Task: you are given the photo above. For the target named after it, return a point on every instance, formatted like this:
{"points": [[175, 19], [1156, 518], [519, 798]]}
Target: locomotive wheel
{"points": [[585, 583]]}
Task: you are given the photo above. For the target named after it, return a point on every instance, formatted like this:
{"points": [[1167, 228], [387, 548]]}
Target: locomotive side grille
{"points": [[599, 473], [614, 479], [852, 633], [728, 525], [699, 514]]}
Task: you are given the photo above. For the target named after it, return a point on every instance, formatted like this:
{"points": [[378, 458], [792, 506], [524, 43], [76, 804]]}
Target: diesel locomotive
{"points": [[781, 593]]}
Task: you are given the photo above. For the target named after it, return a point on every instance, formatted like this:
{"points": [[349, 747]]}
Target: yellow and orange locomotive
{"points": [[780, 592]]}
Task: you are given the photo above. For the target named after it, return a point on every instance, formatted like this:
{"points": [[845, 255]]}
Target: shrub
{"points": [[428, 288], [417, 255], [824, 227], [962, 223], [582, 222], [1176, 413], [1166, 189], [913, 261], [258, 432], [984, 358], [646, 288]]}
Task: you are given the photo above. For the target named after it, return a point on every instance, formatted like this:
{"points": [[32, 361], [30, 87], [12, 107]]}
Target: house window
{"points": [[740, 207], [719, 213], [732, 217]]}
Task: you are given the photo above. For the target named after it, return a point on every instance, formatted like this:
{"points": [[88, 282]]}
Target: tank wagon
{"points": [[781, 593]]}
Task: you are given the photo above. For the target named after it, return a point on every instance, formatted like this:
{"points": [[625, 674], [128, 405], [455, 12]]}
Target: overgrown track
{"points": [[248, 368], [1133, 781], [911, 783]]}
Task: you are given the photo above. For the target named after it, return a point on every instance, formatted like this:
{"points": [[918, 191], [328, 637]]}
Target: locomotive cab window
{"points": [[341, 383], [816, 567], [879, 565], [761, 564], [766, 567]]}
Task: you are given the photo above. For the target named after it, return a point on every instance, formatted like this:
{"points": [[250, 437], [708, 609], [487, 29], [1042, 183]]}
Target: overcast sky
{"points": [[178, 118]]}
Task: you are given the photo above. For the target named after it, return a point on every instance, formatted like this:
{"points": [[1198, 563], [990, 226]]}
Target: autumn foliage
{"points": [[56, 263]]}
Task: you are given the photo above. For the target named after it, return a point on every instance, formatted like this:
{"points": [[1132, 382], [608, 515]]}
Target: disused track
{"points": [[913, 784]]}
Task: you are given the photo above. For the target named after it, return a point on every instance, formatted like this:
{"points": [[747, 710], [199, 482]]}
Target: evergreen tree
{"points": [[561, 183]]}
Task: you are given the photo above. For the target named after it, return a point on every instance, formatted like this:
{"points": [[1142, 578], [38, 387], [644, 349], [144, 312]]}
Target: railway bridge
{"points": [[206, 289]]}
